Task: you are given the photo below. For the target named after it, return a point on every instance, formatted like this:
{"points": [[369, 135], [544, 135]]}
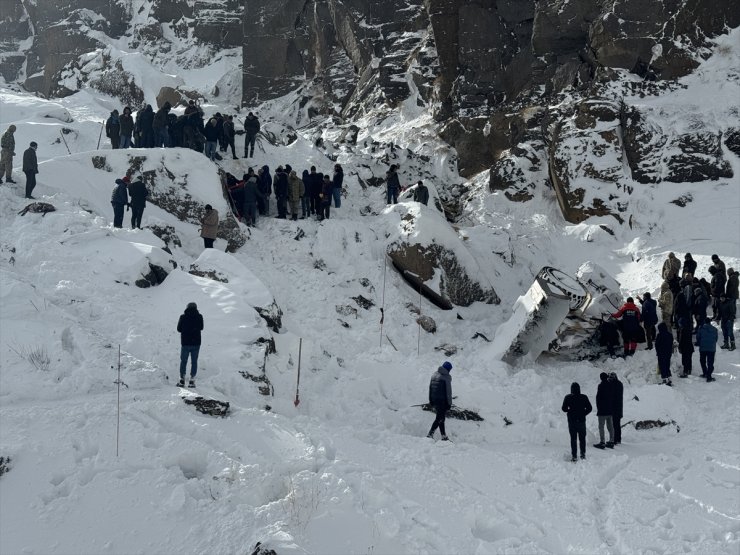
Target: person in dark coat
{"points": [[577, 406], [264, 182], [689, 266], [189, 325], [699, 307], [314, 184], [221, 138], [30, 168], [113, 129], [630, 315], [160, 126], [609, 336], [138, 193], [727, 313], [211, 134], [337, 181], [706, 338], [325, 198], [421, 194], [440, 396], [230, 135], [718, 263], [119, 200], [617, 392], [681, 308], [7, 152], [251, 129], [127, 128], [604, 409], [280, 185], [144, 127], [649, 317], [685, 344], [731, 289], [251, 196], [392, 184], [664, 351], [719, 279]]}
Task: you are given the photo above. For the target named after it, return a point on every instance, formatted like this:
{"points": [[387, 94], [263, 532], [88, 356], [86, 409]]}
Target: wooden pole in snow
{"points": [[382, 303]]}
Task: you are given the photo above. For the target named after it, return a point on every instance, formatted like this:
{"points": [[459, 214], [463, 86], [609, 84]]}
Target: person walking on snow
{"points": [[706, 338], [138, 193], [577, 406], [30, 168], [664, 351], [209, 226], [617, 391], [119, 200], [630, 315], [649, 317], [604, 411], [7, 151], [189, 325], [440, 397], [727, 313]]}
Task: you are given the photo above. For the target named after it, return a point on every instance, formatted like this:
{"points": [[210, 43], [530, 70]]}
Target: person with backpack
{"points": [[138, 193], [727, 313], [577, 406], [189, 325], [649, 317], [119, 200], [604, 409], [706, 339], [664, 352], [440, 396], [685, 345], [630, 315], [617, 392], [280, 185]]}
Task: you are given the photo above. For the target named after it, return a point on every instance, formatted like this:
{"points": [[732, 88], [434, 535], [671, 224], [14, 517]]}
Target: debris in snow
{"points": [[38, 208], [211, 407], [4, 465], [456, 412], [363, 302]]}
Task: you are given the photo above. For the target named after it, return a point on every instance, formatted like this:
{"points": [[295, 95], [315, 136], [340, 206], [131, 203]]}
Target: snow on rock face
{"points": [[426, 250]]}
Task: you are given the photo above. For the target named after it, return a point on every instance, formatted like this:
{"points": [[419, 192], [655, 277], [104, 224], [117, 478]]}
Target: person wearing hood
{"points": [[577, 406], [671, 268], [138, 193], [264, 183], [7, 151], [119, 200], [251, 129], [727, 313], [209, 226], [160, 125], [296, 190], [30, 168], [630, 315], [649, 317], [392, 184], [440, 396], [664, 351], [604, 409], [666, 302], [113, 129], [189, 325], [689, 266], [127, 128], [706, 338]]}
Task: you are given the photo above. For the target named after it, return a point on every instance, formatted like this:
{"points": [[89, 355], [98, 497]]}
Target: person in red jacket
{"points": [[630, 315]]}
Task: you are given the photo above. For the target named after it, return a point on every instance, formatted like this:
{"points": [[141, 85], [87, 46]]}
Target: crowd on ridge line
{"points": [[190, 130], [683, 303]]}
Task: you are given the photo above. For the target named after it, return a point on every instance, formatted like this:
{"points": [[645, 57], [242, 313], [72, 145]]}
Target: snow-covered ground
{"points": [[348, 470]]}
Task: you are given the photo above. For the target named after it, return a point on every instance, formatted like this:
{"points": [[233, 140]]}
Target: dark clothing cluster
{"points": [[119, 199]]}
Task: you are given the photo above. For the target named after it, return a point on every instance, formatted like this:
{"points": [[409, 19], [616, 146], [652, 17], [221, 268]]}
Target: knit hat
{"points": [[447, 365], [192, 305], [126, 179], [33, 144]]}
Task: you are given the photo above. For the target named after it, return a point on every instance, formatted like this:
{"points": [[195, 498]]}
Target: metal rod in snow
{"points": [[382, 303], [418, 336], [298, 377], [65, 141], [118, 415], [100, 136]]}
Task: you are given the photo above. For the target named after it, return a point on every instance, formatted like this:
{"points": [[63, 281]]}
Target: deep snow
{"points": [[348, 470]]}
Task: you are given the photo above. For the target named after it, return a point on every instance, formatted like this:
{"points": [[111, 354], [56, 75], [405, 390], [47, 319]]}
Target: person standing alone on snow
{"points": [[30, 168], [440, 397], [209, 226], [604, 401], [189, 325], [577, 406], [664, 351]]}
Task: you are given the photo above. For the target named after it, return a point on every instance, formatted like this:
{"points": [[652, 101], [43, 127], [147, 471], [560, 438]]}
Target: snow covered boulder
{"points": [[430, 255]]}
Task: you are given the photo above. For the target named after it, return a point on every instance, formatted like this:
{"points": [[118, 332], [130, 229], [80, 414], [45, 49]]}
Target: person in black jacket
{"points": [[189, 325], [421, 194], [119, 200], [664, 351], [604, 411], [440, 396], [280, 185], [30, 168], [649, 317], [336, 185], [230, 135], [264, 183], [392, 184], [685, 345], [577, 406], [138, 193], [251, 129], [689, 266], [617, 391]]}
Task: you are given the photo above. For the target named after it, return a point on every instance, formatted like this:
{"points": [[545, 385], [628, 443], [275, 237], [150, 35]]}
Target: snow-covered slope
{"points": [[347, 470]]}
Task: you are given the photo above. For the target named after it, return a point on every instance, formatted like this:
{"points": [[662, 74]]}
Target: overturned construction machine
{"points": [[560, 314]]}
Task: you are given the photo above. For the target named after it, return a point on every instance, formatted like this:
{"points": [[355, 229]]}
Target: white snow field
{"points": [[349, 469]]}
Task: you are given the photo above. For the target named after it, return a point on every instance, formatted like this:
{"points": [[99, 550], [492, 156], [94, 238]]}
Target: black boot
{"points": [[732, 346]]}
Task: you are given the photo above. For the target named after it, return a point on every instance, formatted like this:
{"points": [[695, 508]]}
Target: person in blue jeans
{"points": [[189, 325], [336, 183], [706, 338]]}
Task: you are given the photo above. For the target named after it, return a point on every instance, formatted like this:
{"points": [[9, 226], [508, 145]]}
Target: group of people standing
{"points": [[310, 194]]}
